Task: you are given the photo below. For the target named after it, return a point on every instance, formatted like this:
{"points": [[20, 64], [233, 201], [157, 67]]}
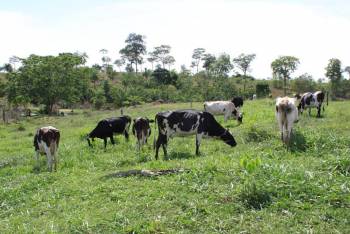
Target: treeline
{"points": [[66, 81]]}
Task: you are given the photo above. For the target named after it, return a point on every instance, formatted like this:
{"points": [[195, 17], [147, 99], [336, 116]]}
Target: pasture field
{"points": [[259, 186]]}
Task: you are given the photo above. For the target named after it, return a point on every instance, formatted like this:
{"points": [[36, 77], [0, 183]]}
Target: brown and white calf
{"points": [[142, 130], [287, 115], [46, 141], [226, 108]]}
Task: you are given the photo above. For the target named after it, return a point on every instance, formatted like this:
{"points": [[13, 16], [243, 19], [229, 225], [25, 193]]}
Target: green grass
{"points": [[259, 186]]}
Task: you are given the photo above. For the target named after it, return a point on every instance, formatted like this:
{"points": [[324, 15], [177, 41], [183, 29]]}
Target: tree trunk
{"points": [[285, 86], [136, 67], [245, 81]]}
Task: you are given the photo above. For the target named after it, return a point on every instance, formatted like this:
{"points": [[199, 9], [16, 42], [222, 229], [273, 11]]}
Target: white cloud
{"points": [[268, 29]]}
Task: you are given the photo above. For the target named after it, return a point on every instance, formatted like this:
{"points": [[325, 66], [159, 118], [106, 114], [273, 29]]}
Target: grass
{"points": [[275, 190]]}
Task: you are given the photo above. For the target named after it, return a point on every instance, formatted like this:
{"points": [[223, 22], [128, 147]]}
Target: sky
{"points": [[312, 30]]}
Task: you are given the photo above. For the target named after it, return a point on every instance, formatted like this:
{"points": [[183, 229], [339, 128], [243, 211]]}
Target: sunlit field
{"points": [[260, 186]]}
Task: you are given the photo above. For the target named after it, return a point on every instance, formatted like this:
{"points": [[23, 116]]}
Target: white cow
{"points": [[287, 115], [226, 108], [46, 141]]}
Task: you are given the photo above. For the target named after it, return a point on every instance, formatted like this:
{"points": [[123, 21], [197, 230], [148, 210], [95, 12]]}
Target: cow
{"points": [[142, 130], [108, 127], [287, 115], [254, 96], [238, 102], [46, 141], [226, 108], [309, 100], [189, 122]]}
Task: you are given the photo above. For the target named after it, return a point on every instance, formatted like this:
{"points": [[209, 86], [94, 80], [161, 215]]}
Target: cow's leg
{"points": [[112, 140], [319, 111], [198, 142], [162, 140], [138, 144], [310, 111], [225, 118], [37, 159], [49, 157], [158, 143], [126, 134], [55, 156], [105, 142]]}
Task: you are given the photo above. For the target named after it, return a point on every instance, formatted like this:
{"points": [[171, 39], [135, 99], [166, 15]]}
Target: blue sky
{"points": [[313, 31]]}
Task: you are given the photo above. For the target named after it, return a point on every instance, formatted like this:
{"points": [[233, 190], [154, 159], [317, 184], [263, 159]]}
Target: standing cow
{"points": [[226, 108], [189, 122], [287, 115], [106, 128], [309, 100], [142, 130], [46, 141]]}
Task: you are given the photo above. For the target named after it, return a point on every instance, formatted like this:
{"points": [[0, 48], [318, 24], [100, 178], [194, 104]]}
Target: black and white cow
{"points": [[238, 102], [189, 122], [142, 130], [46, 141], [225, 108], [108, 127], [309, 100]]}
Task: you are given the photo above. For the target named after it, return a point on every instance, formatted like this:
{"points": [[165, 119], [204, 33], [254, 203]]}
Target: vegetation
{"points": [[257, 187], [283, 67]]}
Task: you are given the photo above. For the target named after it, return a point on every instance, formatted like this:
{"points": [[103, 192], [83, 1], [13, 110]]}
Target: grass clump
{"points": [[257, 134]]}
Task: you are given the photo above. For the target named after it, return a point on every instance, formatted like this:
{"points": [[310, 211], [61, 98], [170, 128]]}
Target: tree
{"points": [[105, 58], [243, 61], [7, 67], [161, 53], [333, 72], [164, 77], [208, 62], [169, 60], [347, 69], [13, 61], [197, 56], [303, 83], [134, 49], [152, 58], [46, 80], [222, 65], [282, 67], [119, 63]]}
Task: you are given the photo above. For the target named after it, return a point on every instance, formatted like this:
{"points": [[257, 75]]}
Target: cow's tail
{"points": [[155, 130], [327, 94]]}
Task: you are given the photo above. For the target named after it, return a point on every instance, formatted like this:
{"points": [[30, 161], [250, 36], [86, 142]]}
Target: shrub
{"points": [[254, 197]]}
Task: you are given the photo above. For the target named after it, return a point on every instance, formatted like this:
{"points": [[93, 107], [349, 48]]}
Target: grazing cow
{"points": [[189, 122], [107, 127], [254, 96], [142, 130], [46, 140], [287, 115], [309, 100], [238, 102], [225, 108]]}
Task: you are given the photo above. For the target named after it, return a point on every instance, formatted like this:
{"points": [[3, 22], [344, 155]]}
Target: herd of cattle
{"points": [[181, 123]]}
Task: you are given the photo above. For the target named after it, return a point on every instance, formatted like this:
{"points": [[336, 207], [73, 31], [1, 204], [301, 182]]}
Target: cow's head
{"points": [[228, 138], [238, 115]]}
